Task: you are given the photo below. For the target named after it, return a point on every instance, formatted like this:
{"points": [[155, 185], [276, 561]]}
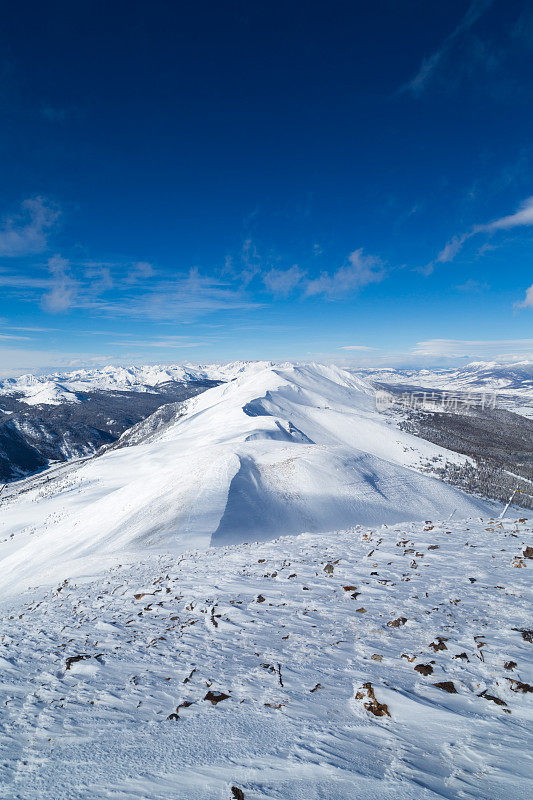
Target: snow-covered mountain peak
{"points": [[292, 449]]}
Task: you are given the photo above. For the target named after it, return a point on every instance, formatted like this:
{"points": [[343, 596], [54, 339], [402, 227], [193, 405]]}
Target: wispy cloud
{"points": [[521, 218], [139, 271], [497, 349], [283, 281], [527, 302], [63, 288], [358, 271], [163, 344], [358, 347], [431, 63], [180, 299], [475, 287], [10, 336], [26, 232]]}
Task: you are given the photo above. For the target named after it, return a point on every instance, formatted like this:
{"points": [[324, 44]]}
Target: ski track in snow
{"points": [[290, 634]]}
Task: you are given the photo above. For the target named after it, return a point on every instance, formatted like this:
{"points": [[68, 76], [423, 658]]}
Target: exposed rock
{"points": [[424, 669], [446, 686], [372, 704], [397, 623], [216, 697]]}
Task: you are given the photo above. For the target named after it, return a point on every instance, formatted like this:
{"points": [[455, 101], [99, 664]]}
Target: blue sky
{"points": [[214, 181]]}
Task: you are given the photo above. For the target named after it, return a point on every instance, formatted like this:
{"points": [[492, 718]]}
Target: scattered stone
{"points": [[237, 793], [397, 623], [216, 697], [462, 655], [510, 664], [349, 588], [318, 686], [376, 657], [372, 704], [188, 678], [439, 644], [446, 686], [424, 669], [496, 700], [260, 598], [518, 686], [73, 659], [361, 610], [329, 568]]}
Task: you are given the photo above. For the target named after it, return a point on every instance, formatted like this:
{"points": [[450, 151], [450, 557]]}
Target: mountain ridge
{"points": [[215, 474]]}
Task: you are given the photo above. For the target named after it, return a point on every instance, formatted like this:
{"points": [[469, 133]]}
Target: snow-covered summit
{"points": [[278, 449]]}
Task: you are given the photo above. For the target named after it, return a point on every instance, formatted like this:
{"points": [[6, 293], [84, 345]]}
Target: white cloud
{"points": [[359, 347], [522, 217], [139, 271], [359, 271], [28, 231], [527, 302], [62, 289], [495, 349], [431, 63], [9, 336], [283, 281], [182, 299], [475, 287]]}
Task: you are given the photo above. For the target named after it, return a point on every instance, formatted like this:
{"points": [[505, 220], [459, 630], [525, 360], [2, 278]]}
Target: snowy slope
{"points": [[391, 663], [289, 449]]}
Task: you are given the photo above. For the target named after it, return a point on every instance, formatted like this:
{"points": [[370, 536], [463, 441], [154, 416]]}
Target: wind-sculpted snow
{"points": [[390, 662], [317, 458]]}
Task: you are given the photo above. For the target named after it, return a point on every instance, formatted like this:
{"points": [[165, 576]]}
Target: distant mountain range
{"points": [[511, 383], [66, 415]]}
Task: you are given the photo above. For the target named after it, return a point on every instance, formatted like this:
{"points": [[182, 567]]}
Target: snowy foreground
{"points": [[389, 663]]}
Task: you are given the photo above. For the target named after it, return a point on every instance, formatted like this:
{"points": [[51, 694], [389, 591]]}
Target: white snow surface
{"points": [[390, 662], [276, 450]]}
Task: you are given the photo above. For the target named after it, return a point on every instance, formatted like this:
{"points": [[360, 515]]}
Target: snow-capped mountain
{"points": [[65, 387], [289, 449], [478, 376], [511, 383]]}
